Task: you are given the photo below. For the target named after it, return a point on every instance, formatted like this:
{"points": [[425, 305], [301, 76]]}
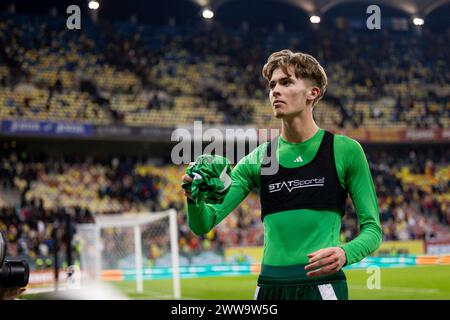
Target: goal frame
{"points": [[135, 221]]}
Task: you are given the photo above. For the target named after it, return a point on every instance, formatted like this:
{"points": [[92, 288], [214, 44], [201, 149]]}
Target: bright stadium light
{"points": [[418, 21], [94, 5], [208, 14], [314, 19]]}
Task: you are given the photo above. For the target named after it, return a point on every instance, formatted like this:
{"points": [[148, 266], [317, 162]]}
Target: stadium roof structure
{"points": [[411, 7], [293, 14]]}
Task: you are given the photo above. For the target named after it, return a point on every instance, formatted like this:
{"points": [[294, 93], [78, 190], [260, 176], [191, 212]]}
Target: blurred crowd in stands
{"points": [[164, 76], [413, 189]]}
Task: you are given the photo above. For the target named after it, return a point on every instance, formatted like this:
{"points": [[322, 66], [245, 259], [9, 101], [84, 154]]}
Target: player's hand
{"points": [[325, 261], [186, 179], [10, 293]]}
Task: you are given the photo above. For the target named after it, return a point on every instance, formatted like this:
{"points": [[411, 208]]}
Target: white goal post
{"points": [[116, 242]]}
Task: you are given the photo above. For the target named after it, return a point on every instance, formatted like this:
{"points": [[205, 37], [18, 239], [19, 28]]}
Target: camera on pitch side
{"points": [[13, 273]]}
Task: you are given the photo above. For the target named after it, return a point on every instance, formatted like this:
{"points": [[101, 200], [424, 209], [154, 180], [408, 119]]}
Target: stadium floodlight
{"points": [[208, 14], [314, 19], [94, 5], [418, 21]]}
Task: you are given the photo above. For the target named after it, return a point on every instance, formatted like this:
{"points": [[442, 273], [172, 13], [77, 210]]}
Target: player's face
{"points": [[288, 95]]}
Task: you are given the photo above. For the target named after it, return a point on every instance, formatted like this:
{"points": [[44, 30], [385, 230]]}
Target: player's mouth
{"points": [[278, 103]]}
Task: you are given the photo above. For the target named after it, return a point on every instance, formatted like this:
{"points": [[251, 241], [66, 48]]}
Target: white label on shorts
{"points": [[327, 292], [255, 297]]}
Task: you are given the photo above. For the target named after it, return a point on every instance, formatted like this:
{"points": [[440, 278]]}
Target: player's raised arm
{"points": [[202, 217]]}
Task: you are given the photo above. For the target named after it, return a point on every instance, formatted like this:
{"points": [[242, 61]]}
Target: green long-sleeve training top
{"points": [[289, 236]]}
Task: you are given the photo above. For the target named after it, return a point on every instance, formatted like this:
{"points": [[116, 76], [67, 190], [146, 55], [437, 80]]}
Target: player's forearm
{"points": [[203, 217], [200, 218], [368, 240], [370, 236]]}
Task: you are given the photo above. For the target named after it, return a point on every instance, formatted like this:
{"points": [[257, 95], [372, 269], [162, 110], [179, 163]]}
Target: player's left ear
{"points": [[313, 93]]}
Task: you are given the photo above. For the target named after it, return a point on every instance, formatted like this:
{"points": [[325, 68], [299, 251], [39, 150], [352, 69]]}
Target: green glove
{"points": [[211, 176]]}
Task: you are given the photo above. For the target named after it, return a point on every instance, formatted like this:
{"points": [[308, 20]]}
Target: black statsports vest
{"points": [[312, 186]]}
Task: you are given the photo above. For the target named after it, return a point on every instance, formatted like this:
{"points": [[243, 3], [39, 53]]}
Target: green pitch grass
{"points": [[413, 283]]}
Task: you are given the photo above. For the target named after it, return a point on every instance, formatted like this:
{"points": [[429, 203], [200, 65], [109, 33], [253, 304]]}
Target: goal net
{"points": [[132, 247]]}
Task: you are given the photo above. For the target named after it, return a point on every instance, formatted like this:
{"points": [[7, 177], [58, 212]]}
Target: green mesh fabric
{"points": [[211, 176]]}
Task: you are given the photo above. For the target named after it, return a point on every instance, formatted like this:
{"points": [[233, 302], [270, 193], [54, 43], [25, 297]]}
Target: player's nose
{"points": [[276, 92]]}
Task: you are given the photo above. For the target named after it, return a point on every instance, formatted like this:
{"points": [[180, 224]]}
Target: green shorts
{"points": [[291, 283]]}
